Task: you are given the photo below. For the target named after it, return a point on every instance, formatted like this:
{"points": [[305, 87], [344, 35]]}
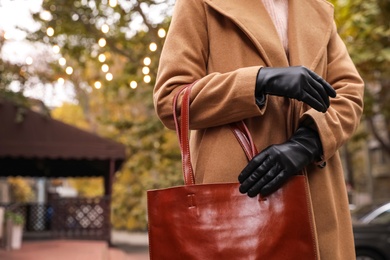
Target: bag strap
{"points": [[239, 130]]}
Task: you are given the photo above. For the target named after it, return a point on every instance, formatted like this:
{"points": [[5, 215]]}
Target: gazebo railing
{"points": [[73, 218]]}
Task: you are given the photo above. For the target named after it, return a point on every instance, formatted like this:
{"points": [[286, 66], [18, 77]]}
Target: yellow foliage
{"points": [[88, 186], [71, 114], [20, 189]]}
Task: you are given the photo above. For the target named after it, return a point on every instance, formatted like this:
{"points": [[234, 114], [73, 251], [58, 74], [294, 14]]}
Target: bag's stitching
{"points": [[191, 199], [187, 92]]}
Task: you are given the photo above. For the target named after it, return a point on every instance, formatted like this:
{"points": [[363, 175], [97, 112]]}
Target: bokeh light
{"points": [[29, 60], [161, 33], [61, 81], [102, 42], [102, 57], [145, 70], [69, 70], [153, 46], [105, 28], [56, 49], [105, 68], [50, 31], [147, 61], [113, 3], [109, 76], [133, 84], [147, 79], [62, 61], [45, 15], [97, 84]]}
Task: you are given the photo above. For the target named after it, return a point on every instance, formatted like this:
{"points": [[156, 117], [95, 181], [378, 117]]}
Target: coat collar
{"points": [[310, 24]]}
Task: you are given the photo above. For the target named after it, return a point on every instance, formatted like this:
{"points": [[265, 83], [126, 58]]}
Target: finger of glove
{"points": [[313, 102], [317, 91], [264, 181], [256, 175], [275, 183], [327, 87], [252, 166]]}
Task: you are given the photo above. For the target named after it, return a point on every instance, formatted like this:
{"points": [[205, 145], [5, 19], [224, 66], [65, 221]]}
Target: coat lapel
{"points": [[309, 28], [252, 17]]}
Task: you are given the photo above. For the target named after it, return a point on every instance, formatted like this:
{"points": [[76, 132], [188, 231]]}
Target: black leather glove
{"points": [[294, 82], [268, 170]]}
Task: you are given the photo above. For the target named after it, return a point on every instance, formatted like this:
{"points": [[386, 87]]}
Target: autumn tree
{"points": [[10, 72], [364, 25], [108, 52]]}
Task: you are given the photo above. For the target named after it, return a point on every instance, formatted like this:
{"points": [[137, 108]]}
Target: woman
{"points": [[282, 68]]}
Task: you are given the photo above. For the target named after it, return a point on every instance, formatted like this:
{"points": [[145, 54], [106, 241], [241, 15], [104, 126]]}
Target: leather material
{"points": [[216, 221], [244, 138], [271, 168], [296, 82]]}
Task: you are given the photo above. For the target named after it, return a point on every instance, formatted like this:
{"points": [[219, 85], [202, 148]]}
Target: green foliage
{"points": [[16, 218]]}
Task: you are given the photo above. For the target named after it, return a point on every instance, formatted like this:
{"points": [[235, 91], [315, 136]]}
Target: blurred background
{"points": [[92, 65]]}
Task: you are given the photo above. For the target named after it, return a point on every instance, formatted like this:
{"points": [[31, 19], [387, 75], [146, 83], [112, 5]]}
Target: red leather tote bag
{"points": [[216, 221]]}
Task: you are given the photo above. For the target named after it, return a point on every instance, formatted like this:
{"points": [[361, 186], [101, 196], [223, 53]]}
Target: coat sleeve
{"points": [[216, 98], [338, 124]]}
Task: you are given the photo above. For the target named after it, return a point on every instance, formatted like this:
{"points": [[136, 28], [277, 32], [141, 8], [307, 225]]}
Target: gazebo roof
{"points": [[42, 146]]}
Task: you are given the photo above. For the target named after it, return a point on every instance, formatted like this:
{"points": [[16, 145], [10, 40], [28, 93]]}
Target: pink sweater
{"points": [[278, 11]]}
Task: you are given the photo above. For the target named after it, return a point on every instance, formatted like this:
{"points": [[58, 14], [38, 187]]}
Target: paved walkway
{"points": [[125, 246]]}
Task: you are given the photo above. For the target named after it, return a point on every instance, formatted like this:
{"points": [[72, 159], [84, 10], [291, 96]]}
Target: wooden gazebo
{"points": [[39, 146]]}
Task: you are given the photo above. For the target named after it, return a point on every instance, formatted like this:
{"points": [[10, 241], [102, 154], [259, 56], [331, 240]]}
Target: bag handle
{"points": [[239, 130]]}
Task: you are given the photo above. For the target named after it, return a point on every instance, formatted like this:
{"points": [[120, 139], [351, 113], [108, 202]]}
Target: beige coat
{"points": [[223, 43]]}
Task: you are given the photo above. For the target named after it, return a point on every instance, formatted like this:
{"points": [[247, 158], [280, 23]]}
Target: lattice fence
{"points": [[83, 218], [79, 218]]}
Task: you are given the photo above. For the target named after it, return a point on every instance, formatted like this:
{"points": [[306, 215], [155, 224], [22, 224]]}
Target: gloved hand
{"points": [[294, 82], [271, 168]]}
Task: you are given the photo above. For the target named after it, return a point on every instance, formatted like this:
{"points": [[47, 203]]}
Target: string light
{"points": [[113, 3], [56, 49], [161, 33], [75, 17], [69, 70], [97, 84], [105, 28], [45, 15], [145, 70], [109, 76], [50, 31], [29, 60], [102, 57], [102, 42], [105, 68], [133, 84], [60, 81], [62, 61], [147, 79], [153, 46], [147, 61]]}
